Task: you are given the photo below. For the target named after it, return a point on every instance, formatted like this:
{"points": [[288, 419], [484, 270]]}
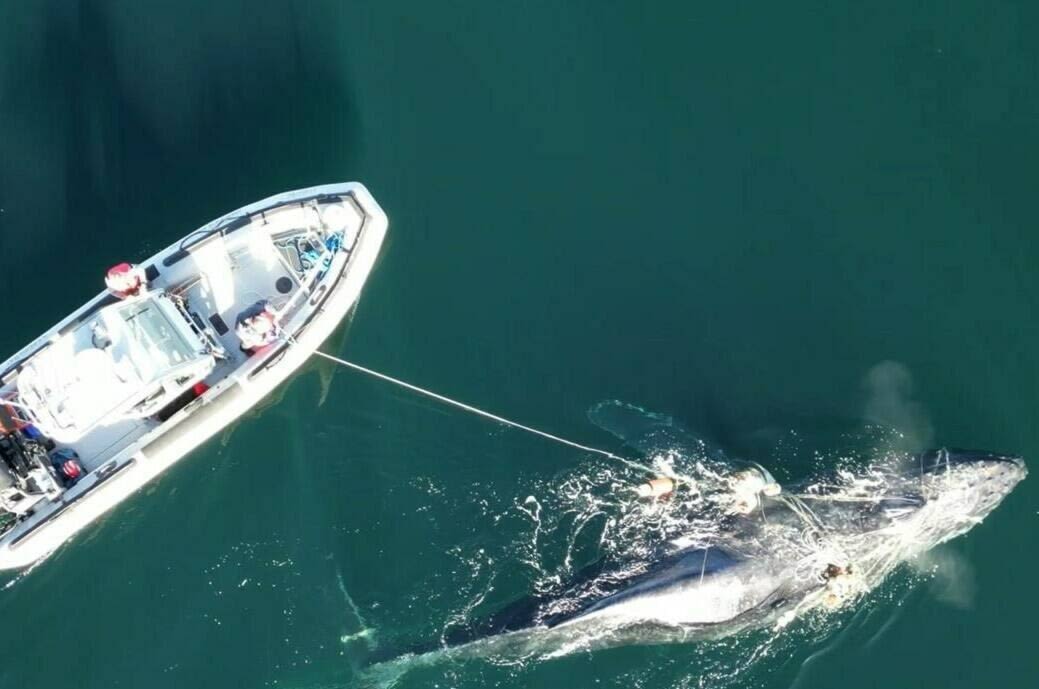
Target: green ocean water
{"points": [[729, 213]]}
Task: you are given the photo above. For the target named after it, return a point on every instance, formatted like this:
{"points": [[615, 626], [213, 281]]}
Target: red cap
{"points": [[120, 269]]}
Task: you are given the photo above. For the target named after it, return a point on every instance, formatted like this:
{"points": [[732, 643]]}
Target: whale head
{"points": [[961, 488]]}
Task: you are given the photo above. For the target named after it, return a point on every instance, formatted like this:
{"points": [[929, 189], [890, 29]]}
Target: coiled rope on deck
{"points": [[480, 412]]}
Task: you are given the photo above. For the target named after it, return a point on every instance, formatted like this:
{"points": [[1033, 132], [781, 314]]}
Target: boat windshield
{"points": [[94, 372], [151, 342]]}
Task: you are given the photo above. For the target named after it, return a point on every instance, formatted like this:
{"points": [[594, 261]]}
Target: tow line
{"points": [[481, 412]]}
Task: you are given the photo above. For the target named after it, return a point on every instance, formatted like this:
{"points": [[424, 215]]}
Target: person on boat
{"points": [[257, 327], [126, 280], [67, 466]]}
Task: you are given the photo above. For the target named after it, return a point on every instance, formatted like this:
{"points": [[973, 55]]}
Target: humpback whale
{"points": [[810, 547]]}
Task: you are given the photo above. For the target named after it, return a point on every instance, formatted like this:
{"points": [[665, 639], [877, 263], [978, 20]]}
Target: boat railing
{"points": [[239, 219]]}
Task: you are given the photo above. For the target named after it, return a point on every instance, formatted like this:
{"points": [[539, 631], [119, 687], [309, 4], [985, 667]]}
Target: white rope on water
{"points": [[479, 412]]}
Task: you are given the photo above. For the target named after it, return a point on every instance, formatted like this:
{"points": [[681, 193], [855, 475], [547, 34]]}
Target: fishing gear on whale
{"points": [[481, 412], [835, 579], [288, 338], [748, 487]]}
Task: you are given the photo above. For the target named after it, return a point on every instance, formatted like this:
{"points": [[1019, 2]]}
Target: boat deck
{"points": [[104, 442], [302, 252], [219, 280], [227, 275], [230, 286]]}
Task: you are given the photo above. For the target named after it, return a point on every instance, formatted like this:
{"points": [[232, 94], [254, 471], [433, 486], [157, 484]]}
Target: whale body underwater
{"points": [[812, 546]]}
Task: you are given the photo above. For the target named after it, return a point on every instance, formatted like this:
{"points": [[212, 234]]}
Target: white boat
{"points": [[130, 383]]}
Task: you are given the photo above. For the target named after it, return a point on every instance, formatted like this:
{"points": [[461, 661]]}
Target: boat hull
{"points": [[199, 421]]}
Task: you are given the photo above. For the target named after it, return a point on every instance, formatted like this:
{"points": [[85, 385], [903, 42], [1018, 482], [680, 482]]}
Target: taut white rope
{"points": [[480, 412]]}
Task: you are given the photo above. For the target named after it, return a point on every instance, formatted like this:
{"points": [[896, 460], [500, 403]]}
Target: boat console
{"points": [[129, 361]]}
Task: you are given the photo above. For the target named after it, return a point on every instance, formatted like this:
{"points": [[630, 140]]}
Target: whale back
{"points": [[692, 564]]}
